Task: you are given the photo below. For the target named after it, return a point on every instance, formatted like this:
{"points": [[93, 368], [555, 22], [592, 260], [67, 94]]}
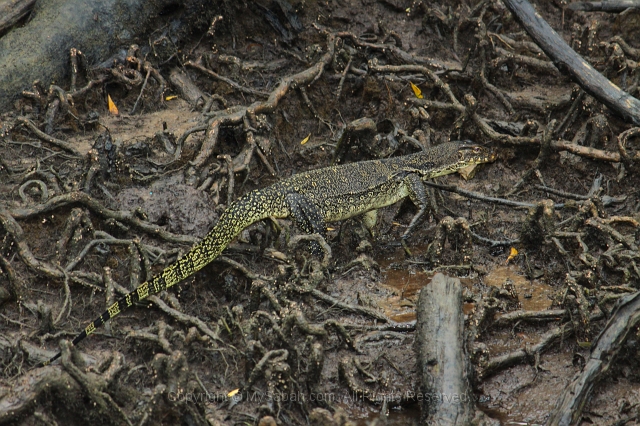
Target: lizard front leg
{"points": [[418, 195], [308, 218]]}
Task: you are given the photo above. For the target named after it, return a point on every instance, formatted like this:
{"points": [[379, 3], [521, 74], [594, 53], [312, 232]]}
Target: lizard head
{"points": [[470, 153], [450, 157]]}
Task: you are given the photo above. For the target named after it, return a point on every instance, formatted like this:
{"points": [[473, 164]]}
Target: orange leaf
{"points": [[512, 254], [113, 109], [416, 91]]}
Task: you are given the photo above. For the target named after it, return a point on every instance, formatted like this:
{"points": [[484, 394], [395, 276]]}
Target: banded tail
{"points": [[255, 206]]}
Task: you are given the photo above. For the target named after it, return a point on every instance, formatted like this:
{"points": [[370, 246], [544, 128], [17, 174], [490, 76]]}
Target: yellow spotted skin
{"points": [[311, 199]]}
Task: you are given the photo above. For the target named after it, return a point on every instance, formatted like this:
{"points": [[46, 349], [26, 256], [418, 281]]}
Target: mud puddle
{"points": [[405, 279]]}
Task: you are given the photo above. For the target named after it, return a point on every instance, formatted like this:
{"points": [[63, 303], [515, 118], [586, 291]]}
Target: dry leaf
{"points": [[113, 109], [416, 91], [468, 172]]}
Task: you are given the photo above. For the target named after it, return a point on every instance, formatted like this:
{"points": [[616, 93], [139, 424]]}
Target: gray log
{"points": [[40, 49], [445, 394]]}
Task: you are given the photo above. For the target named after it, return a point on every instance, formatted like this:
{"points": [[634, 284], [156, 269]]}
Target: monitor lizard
{"points": [[311, 199]]}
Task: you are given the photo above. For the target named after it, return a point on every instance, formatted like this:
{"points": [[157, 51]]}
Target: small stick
{"points": [[247, 90], [144, 85], [343, 78], [45, 137]]}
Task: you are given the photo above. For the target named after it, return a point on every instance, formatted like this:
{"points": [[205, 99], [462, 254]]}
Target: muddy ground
{"points": [[84, 221]]}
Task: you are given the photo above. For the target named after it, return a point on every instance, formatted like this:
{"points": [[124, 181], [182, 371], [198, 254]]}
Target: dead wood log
{"points": [[569, 62], [12, 11], [445, 393], [187, 88], [40, 49], [611, 6], [625, 318]]}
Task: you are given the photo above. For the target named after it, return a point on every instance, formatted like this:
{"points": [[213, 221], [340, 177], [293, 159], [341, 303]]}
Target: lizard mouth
{"points": [[490, 157], [476, 155]]}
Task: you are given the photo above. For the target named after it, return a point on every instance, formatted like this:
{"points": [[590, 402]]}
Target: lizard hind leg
{"points": [[369, 220], [308, 218]]}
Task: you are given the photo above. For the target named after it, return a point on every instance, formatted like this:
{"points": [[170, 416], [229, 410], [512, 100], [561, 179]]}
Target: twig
{"points": [[610, 6], [545, 146], [347, 307], [562, 193], [315, 238], [539, 64], [16, 286], [529, 316], [622, 142], [184, 318], [395, 52], [107, 241], [247, 90], [273, 356], [343, 78], [43, 190], [493, 89], [144, 85], [93, 388], [43, 136], [13, 12], [423, 70], [494, 243], [482, 197], [230, 176], [160, 328], [558, 145], [245, 271], [67, 300]]}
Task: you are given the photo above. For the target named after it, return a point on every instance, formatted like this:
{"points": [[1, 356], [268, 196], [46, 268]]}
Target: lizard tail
{"points": [[255, 206]]}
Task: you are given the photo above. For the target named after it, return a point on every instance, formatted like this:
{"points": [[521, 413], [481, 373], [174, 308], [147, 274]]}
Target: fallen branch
{"points": [[571, 403], [568, 61]]}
